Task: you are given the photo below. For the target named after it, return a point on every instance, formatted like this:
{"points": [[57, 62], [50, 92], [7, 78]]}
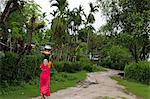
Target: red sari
{"points": [[45, 80]]}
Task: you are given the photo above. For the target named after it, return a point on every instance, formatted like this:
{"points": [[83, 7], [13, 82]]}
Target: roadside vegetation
{"points": [[140, 90]]}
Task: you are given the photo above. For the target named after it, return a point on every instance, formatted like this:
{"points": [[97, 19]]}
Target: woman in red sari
{"points": [[45, 79]]}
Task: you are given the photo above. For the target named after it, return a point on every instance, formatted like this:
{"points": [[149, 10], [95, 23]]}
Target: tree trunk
{"points": [[30, 34], [135, 54], [30, 42]]}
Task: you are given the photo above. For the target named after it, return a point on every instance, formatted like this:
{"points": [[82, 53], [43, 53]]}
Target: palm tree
{"points": [[74, 22], [60, 4], [78, 12], [90, 19], [59, 24], [54, 13], [93, 9]]}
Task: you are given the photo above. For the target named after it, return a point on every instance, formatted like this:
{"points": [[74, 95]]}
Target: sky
{"points": [[100, 20]]}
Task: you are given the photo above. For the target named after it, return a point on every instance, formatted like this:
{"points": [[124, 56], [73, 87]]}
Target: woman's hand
{"points": [[46, 52]]}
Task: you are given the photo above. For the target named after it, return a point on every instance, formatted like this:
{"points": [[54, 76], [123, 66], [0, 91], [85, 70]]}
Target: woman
{"points": [[45, 79]]}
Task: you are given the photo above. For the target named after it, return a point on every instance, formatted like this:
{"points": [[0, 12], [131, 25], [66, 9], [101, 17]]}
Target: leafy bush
{"points": [[72, 67], [30, 67], [138, 71], [58, 65], [87, 67], [115, 57], [15, 69], [8, 69], [86, 64], [67, 66]]}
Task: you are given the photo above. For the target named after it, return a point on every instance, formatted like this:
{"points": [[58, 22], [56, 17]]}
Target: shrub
{"points": [[8, 69], [65, 66], [58, 65], [72, 67], [30, 67], [115, 57], [138, 71], [78, 66], [87, 67], [14, 72], [86, 64], [68, 67]]}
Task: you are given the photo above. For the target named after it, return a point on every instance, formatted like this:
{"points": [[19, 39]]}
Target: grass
{"points": [[60, 81], [140, 90], [98, 68], [64, 80]]}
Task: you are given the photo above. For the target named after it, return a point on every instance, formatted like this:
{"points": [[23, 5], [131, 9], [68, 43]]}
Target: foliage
{"points": [[30, 67], [21, 24], [140, 90], [67, 66], [129, 18], [115, 57], [72, 67], [138, 71], [58, 29], [58, 65], [60, 4], [14, 73], [81, 50], [8, 68], [34, 23], [83, 34], [93, 9], [59, 25]]}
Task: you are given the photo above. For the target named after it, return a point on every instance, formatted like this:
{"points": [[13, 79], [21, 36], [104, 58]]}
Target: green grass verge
{"points": [[142, 91], [60, 81]]}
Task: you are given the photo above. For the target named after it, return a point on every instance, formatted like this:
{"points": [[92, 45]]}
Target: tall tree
{"points": [[20, 23], [60, 5], [131, 19], [59, 24], [11, 6], [93, 9], [35, 20], [75, 20], [90, 19]]}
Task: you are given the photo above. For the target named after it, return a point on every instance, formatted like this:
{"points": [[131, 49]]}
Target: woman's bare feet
{"points": [[42, 97]]}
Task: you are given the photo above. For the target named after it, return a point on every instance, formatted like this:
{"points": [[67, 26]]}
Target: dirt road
{"points": [[97, 86]]}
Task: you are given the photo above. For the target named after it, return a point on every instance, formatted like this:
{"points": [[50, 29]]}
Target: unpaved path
{"points": [[97, 86]]}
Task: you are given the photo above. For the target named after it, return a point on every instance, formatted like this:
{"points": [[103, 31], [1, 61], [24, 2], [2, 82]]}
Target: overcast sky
{"points": [[72, 4]]}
